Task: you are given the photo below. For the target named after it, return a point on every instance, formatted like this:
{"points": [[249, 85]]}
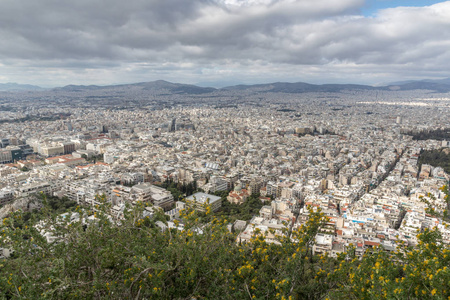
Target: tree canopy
{"points": [[97, 257], [436, 158]]}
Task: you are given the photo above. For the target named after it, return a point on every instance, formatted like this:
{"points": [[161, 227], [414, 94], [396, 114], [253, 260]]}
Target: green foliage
{"points": [[135, 259], [179, 190], [420, 273], [407, 273], [93, 158], [436, 158], [437, 134], [58, 205], [24, 169], [51, 206], [243, 211]]}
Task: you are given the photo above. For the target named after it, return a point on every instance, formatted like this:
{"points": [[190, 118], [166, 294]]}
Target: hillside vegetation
{"points": [[437, 134], [436, 158], [136, 260]]}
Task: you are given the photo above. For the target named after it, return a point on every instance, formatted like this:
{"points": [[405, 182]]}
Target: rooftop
{"points": [[203, 198]]}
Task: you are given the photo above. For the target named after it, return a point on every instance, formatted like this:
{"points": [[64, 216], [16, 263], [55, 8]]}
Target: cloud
{"points": [[276, 36]]}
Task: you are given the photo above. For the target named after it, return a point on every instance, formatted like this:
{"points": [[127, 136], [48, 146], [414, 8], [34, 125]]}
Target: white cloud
{"points": [[277, 39]]}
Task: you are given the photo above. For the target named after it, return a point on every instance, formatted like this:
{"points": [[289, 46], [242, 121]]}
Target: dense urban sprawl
{"points": [[346, 153]]}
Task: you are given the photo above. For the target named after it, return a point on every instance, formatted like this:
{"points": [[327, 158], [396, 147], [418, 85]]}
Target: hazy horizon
{"points": [[223, 42]]}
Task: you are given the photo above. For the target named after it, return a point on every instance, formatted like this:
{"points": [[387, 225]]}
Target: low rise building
{"points": [[200, 200]]}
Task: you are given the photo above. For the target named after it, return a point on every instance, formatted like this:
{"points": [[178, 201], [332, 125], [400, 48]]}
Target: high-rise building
{"points": [[173, 125], [69, 148], [254, 186], [5, 156], [4, 143], [6, 196]]}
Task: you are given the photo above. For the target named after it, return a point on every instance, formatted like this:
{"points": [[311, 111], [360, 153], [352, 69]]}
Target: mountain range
{"points": [[441, 85], [11, 86]]}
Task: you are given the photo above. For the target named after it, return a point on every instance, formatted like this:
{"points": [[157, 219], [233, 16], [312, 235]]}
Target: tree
{"points": [[408, 273], [96, 257]]}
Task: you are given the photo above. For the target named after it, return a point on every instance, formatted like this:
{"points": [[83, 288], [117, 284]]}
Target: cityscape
{"points": [[343, 152], [225, 149]]}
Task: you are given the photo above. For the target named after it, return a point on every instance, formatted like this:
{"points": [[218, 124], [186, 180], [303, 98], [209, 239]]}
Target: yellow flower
{"points": [[433, 292]]}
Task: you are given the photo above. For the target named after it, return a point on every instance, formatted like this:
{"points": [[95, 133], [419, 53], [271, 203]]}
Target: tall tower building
{"points": [[173, 125]]}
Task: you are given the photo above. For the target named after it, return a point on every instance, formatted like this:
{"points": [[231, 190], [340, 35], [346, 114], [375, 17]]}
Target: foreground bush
{"points": [[135, 259]]}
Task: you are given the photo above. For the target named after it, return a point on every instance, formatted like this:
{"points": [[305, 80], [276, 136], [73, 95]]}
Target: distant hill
{"points": [[301, 87], [162, 87], [12, 86], [442, 85], [438, 85], [159, 85], [178, 88]]}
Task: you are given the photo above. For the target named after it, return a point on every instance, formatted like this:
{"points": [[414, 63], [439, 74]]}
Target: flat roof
{"points": [[202, 197]]}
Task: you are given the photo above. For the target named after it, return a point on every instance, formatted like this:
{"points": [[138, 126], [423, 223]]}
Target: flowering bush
{"points": [[134, 258]]}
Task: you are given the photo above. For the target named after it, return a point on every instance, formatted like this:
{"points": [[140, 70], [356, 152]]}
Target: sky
{"points": [[223, 42]]}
